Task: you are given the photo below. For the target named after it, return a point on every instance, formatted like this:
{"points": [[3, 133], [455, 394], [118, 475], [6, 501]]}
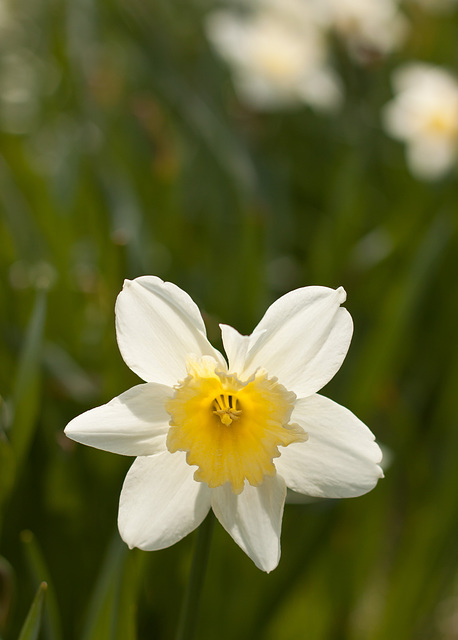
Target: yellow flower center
{"points": [[230, 429], [279, 60], [443, 123]]}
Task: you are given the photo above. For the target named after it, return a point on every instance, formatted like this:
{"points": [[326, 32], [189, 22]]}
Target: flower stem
{"points": [[189, 609]]}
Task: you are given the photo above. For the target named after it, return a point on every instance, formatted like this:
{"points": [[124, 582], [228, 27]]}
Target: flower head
{"points": [[277, 54], [424, 114], [229, 436], [368, 27]]}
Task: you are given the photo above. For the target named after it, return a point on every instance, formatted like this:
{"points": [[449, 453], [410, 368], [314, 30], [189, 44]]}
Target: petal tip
{"points": [[131, 545], [342, 294], [269, 568], [70, 429]]}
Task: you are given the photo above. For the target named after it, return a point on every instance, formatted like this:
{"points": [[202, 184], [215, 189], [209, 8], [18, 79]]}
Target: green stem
{"points": [[189, 610]]}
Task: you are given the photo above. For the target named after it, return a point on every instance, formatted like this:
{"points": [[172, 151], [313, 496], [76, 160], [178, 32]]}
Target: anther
{"points": [[226, 408]]}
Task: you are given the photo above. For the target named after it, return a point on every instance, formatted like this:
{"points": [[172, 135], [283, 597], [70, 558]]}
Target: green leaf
{"points": [[7, 468], [7, 583], [112, 607], [26, 393], [7, 462], [32, 623], [39, 571]]}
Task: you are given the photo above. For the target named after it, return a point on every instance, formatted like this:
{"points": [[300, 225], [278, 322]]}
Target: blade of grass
{"points": [[31, 627], [7, 472], [40, 572], [26, 392], [112, 608]]}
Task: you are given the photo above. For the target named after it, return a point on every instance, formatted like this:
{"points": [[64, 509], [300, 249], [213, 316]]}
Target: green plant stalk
{"points": [[190, 607]]}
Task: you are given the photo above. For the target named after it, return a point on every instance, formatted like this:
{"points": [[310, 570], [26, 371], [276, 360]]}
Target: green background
{"points": [[132, 155]]}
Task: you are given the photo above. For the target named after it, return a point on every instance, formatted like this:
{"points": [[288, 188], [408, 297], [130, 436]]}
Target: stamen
{"points": [[227, 408]]}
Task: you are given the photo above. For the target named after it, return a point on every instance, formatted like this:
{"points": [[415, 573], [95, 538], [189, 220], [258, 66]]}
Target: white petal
{"points": [[158, 326], [235, 346], [431, 159], [340, 458], [132, 424], [161, 502], [397, 120], [322, 89], [253, 519], [302, 339]]}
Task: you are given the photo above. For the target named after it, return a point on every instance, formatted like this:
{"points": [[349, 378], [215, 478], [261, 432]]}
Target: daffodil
{"points": [[368, 27], [229, 436], [278, 56], [424, 115]]}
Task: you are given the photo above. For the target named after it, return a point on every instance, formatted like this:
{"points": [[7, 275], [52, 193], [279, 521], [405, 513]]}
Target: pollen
{"points": [[230, 429]]}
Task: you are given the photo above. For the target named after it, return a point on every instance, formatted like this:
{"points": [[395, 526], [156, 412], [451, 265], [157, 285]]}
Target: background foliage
{"points": [[124, 151]]}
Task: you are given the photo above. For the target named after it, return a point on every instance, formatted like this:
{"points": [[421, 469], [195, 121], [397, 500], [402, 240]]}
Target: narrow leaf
{"points": [[26, 389], [103, 607], [32, 623], [112, 608], [40, 572]]}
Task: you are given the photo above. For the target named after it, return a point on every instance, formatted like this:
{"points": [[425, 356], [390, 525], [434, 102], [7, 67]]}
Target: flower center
{"points": [[442, 123], [230, 429], [227, 407], [279, 60]]}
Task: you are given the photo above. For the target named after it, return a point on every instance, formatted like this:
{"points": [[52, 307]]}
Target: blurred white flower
{"points": [[207, 434], [278, 56], [368, 27], [424, 115]]}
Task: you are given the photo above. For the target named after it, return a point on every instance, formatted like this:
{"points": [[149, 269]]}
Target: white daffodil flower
{"points": [[229, 437], [368, 27], [424, 115], [278, 59]]}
